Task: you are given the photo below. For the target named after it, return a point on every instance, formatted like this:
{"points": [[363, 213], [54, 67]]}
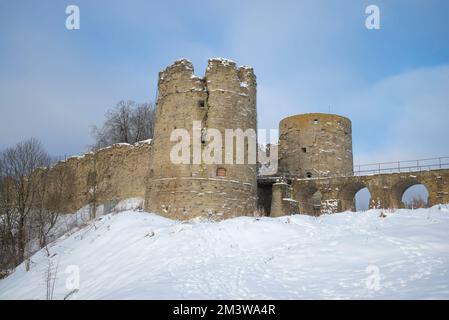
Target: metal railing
{"points": [[402, 166]]}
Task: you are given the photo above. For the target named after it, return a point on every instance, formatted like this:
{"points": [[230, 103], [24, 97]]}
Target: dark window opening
{"points": [[203, 137], [221, 172], [201, 103], [304, 150], [309, 174]]}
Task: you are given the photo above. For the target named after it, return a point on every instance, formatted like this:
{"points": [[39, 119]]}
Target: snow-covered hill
{"points": [[137, 255]]}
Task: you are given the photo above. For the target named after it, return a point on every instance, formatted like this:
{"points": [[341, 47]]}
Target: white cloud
{"points": [[408, 113]]}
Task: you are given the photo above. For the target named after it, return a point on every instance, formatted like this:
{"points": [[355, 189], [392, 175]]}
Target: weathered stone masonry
{"points": [[316, 158], [106, 176], [315, 154], [315, 145], [224, 99], [338, 192]]}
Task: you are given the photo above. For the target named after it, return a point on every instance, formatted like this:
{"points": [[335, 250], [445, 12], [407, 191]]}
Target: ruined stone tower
{"points": [[224, 99], [315, 145]]}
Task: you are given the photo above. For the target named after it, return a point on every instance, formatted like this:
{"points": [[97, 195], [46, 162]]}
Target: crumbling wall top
{"points": [[177, 69], [223, 74], [179, 78]]}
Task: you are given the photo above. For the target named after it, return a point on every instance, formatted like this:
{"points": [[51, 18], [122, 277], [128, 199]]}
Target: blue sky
{"points": [[308, 56]]}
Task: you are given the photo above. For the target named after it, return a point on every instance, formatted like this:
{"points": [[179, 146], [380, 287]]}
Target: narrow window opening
{"points": [[203, 136], [201, 103], [304, 150]]}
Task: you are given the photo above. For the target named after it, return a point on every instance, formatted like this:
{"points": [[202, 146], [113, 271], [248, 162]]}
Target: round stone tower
{"points": [[203, 107], [315, 145]]}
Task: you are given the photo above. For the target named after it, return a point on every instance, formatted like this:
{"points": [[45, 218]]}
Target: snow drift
{"points": [[138, 255]]}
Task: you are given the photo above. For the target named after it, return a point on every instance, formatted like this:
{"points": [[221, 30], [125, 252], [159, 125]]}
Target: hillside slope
{"points": [[137, 255]]}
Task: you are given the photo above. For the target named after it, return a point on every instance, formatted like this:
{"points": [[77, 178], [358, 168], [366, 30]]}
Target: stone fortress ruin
{"points": [[315, 171], [224, 99]]}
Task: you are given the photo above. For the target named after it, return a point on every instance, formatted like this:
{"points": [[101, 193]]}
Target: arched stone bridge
{"points": [[338, 193]]}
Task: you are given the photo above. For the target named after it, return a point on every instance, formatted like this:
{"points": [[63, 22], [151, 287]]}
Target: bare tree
{"points": [[416, 202], [92, 184], [7, 239], [49, 202], [142, 122], [31, 196], [50, 275], [128, 122], [19, 191], [40, 216]]}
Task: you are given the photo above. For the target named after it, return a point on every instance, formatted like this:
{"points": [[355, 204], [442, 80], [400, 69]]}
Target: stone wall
{"points": [[108, 175]]}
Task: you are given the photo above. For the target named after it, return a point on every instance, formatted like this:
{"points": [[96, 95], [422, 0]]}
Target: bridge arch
{"points": [[399, 188], [347, 195], [363, 199], [416, 196]]}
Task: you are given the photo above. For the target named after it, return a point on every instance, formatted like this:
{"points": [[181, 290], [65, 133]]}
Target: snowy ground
{"points": [[137, 255]]}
